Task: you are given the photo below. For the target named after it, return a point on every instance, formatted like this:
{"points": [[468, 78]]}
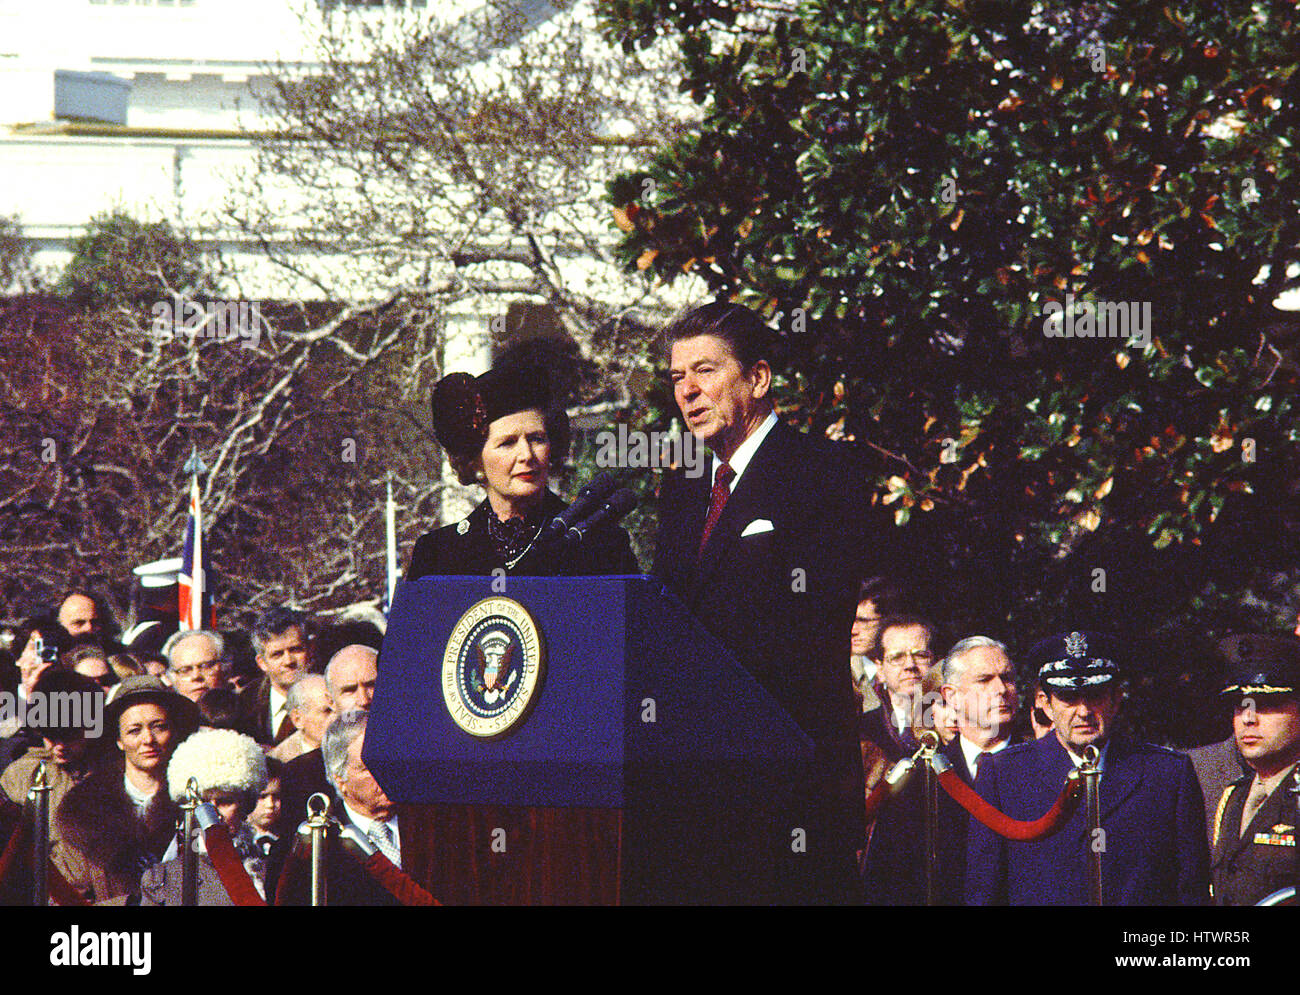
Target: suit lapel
{"points": [[957, 758], [759, 486], [1229, 841]]}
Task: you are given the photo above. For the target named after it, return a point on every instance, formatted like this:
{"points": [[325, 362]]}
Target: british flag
{"points": [[192, 580]]}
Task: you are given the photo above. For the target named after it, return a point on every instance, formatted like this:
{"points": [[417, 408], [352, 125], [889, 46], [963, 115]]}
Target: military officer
{"points": [[1255, 823], [1152, 814]]}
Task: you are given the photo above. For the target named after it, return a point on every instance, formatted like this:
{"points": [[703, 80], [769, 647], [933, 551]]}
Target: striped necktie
{"points": [[382, 836]]}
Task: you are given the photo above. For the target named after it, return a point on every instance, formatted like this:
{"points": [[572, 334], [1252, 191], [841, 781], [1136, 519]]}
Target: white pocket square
{"points": [[756, 526]]}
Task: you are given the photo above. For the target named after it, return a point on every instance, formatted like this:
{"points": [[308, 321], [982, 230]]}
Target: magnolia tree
{"points": [[1038, 261]]}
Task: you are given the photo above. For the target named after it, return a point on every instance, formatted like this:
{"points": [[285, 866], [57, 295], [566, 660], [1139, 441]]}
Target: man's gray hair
{"points": [[340, 735], [297, 696], [329, 667], [176, 638], [952, 663]]}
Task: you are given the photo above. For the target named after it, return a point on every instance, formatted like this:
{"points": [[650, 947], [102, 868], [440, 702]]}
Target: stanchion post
{"points": [[317, 823], [39, 796], [1091, 775], [930, 801], [189, 855]]}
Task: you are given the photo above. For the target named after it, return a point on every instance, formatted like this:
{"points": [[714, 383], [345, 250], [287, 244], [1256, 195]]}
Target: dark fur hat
{"points": [[465, 406]]}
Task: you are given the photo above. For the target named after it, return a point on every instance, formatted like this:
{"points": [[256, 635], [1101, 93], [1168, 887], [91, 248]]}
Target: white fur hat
{"points": [[218, 759]]}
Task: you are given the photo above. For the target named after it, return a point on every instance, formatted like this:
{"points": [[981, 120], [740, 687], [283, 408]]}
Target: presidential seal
{"points": [[492, 667]]}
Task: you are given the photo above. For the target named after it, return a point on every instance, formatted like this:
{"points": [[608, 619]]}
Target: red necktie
{"points": [[721, 491]]}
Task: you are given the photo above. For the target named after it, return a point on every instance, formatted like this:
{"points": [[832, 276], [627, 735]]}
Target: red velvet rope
{"points": [[397, 882], [877, 798], [1052, 820], [291, 864], [61, 891], [231, 870], [12, 847]]}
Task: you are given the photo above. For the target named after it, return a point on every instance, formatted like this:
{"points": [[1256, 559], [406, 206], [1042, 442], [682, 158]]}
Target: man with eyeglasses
{"points": [[195, 662], [906, 656]]}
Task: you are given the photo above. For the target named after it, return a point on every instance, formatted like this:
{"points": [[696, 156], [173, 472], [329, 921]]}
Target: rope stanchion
{"points": [[890, 785], [230, 869], [58, 887], [1051, 821]]}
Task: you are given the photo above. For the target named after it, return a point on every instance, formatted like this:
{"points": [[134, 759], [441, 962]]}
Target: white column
{"points": [[467, 348]]}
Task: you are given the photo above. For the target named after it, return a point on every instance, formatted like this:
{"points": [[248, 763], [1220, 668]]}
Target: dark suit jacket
{"points": [[255, 715], [302, 777], [895, 870], [1151, 812], [453, 550], [347, 881], [1246, 870], [877, 726], [782, 601]]}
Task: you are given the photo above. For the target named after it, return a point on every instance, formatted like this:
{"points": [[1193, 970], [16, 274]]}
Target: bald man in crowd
{"points": [[310, 710]]}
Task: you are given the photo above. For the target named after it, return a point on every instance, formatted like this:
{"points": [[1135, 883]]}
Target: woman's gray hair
{"points": [[952, 663], [339, 737]]}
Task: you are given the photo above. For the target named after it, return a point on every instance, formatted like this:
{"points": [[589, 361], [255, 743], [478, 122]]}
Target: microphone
{"points": [[589, 498], [620, 503]]}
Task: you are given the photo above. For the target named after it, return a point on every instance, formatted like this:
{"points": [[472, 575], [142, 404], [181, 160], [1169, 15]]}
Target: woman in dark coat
{"points": [[500, 430]]}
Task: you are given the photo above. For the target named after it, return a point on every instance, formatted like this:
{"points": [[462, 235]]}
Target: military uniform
{"points": [[1252, 865], [1151, 808]]}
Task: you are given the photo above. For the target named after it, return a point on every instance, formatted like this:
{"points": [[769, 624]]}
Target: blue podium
{"points": [[579, 740]]}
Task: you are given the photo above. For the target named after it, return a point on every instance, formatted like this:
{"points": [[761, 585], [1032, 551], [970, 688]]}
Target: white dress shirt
{"points": [[744, 452], [366, 825], [279, 709], [970, 752]]}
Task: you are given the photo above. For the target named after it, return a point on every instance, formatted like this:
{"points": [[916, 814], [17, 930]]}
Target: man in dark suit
{"points": [[363, 806], [1152, 841], [907, 654], [350, 679], [765, 549], [1255, 823], [283, 655], [979, 682]]}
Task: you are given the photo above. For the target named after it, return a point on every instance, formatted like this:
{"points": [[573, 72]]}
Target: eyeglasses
{"points": [[195, 668]]}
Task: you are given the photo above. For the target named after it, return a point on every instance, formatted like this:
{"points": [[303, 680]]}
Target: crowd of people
{"points": [[767, 553], [1214, 824], [256, 750]]}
